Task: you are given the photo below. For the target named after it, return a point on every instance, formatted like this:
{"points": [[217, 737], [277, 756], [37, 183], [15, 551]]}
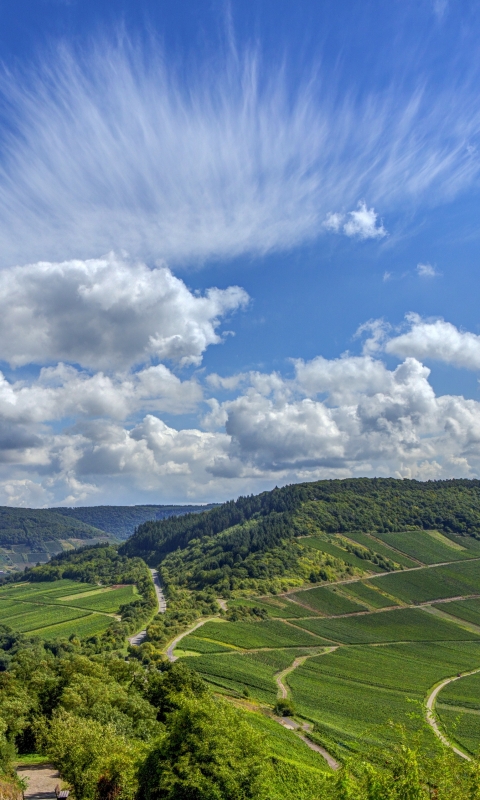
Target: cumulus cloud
{"points": [[364, 224], [115, 148], [351, 415], [437, 340], [360, 224], [426, 271], [107, 314]]}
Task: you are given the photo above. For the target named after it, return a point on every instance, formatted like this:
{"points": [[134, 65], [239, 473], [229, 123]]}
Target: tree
{"points": [[88, 754], [208, 753]]}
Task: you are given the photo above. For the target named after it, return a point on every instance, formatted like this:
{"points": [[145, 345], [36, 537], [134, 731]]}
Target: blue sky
{"points": [[239, 246]]}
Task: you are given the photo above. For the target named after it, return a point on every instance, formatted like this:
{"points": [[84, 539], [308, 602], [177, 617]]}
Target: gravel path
{"points": [[42, 779], [430, 713]]}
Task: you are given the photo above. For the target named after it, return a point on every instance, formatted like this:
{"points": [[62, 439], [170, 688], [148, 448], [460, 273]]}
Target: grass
{"points": [[463, 728], [353, 693], [108, 601], [86, 626], [468, 610], [369, 593], [249, 635], [279, 607], [59, 609], [430, 548], [435, 583], [196, 645], [328, 600], [333, 550], [239, 672], [404, 625], [368, 540]]}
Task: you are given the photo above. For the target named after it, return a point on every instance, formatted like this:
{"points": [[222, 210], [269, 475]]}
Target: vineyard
{"points": [[61, 608]]}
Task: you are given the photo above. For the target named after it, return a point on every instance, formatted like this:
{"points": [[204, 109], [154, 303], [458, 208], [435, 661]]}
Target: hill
{"points": [[32, 526], [121, 521], [227, 546]]}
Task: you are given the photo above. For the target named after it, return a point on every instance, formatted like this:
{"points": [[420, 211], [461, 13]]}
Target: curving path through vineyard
{"points": [[430, 712]]}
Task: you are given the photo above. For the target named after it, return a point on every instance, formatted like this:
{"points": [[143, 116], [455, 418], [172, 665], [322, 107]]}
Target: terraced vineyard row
{"points": [[61, 608], [370, 654]]}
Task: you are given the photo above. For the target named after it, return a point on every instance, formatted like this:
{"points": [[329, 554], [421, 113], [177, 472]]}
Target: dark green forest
{"points": [[121, 521]]}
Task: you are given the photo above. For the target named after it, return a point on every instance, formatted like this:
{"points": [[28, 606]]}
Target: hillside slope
{"points": [[121, 521], [257, 537], [32, 526]]}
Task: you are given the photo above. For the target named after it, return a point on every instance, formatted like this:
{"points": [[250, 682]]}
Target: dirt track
{"points": [[430, 713]]}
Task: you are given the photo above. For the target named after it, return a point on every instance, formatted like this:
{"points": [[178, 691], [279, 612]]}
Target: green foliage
{"points": [[90, 753], [208, 753], [284, 708]]}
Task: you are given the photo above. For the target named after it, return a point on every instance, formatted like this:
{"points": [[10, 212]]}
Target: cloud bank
{"points": [[72, 435], [111, 148]]}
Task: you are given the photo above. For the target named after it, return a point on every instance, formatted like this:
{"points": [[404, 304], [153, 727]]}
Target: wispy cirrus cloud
{"points": [[111, 149]]}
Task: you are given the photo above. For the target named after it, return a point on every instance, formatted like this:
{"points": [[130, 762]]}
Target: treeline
{"points": [[32, 526], [121, 521]]}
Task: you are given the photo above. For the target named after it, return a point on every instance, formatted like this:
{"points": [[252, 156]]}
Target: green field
{"points": [[430, 547], [458, 707], [360, 671], [368, 540], [468, 610], [336, 551], [252, 635], [434, 583], [280, 607], [353, 693], [368, 593], [58, 609], [328, 600], [402, 625]]}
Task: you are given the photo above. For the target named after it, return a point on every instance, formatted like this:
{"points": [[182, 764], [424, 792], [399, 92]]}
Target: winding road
{"points": [[140, 637], [430, 712]]}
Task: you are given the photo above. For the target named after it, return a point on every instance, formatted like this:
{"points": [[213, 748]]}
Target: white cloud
{"points": [[349, 416], [426, 271], [107, 314], [113, 149], [332, 418], [62, 391], [363, 223], [333, 222], [437, 340]]}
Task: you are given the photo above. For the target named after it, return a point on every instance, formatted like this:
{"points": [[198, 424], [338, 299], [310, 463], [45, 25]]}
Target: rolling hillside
{"points": [[253, 541]]}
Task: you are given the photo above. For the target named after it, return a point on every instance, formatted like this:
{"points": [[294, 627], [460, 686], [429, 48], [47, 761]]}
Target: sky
{"points": [[239, 246]]}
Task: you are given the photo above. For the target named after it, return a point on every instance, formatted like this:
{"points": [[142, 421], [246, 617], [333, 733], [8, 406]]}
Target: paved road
{"points": [[173, 645], [430, 713], [140, 637]]}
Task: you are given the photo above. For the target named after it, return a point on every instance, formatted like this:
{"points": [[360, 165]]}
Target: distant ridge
{"points": [[121, 521]]}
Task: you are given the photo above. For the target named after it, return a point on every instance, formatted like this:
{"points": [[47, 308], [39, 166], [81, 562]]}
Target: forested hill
{"points": [[257, 523], [33, 526], [121, 521]]}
